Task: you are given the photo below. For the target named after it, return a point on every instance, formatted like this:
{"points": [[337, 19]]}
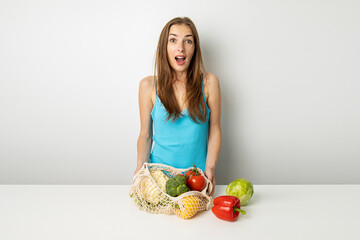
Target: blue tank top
{"points": [[182, 142]]}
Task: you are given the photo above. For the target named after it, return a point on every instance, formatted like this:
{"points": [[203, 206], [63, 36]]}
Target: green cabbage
{"points": [[242, 189]]}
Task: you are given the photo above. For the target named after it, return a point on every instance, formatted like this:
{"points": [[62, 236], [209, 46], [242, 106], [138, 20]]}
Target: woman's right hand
{"points": [[137, 169]]}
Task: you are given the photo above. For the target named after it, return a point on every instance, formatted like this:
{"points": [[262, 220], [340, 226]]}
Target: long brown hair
{"points": [[196, 104]]}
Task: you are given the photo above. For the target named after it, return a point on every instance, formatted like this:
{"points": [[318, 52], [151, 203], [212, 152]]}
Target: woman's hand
{"points": [[137, 169], [210, 174]]}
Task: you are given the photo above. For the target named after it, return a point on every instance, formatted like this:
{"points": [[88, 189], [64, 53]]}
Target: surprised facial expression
{"points": [[180, 47]]}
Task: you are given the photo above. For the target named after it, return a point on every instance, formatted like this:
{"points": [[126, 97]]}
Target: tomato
{"points": [[196, 183], [194, 180], [192, 172]]}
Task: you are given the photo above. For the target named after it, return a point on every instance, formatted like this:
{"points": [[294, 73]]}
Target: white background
{"points": [[93, 212], [70, 71]]}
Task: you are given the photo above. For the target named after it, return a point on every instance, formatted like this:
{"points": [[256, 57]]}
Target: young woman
{"points": [[182, 103]]}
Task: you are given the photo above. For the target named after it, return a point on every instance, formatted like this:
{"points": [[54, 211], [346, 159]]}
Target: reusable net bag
{"points": [[148, 192]]}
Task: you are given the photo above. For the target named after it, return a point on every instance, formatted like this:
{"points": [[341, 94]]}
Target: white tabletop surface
{"points": [[36, 212]]}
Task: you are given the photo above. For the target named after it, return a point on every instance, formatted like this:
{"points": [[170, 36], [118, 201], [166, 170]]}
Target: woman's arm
{"points": [[144, 142], [214, 144]]}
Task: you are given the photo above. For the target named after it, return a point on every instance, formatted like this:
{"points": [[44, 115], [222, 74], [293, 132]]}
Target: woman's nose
{"points": [[180, 47]]}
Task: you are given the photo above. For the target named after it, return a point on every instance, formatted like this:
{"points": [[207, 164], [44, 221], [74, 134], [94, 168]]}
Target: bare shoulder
{"points": [[146, 87], [211, 83], [211, 80], [147, 82]]}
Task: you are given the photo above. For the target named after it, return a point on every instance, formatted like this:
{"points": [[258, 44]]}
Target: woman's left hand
{"points": [[211, 176]]}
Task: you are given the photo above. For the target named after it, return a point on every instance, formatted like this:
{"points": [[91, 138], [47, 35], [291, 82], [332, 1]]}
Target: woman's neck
{"points": [[180, 77]]}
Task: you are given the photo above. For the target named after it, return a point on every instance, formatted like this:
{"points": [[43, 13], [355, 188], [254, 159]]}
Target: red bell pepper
{"points": [[227, 208]]}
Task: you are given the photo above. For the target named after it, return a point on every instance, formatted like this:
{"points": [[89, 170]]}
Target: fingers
{"points": [[136, 170], [213, 190], [214, 183]]}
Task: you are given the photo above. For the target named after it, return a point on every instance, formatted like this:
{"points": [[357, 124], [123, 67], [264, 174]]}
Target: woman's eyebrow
{"points": [[189, 35]]}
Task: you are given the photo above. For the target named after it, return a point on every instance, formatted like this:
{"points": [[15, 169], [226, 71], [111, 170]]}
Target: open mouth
{"points": [[180, 60]]}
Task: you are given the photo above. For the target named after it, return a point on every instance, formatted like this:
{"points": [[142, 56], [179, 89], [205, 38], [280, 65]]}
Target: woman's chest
{"points": [[180, 96]]}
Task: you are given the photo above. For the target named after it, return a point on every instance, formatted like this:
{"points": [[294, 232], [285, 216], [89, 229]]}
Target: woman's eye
{"points": [[172, 40], [188, 41]]}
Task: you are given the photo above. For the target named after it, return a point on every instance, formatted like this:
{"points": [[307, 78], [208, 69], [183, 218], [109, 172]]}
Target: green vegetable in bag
{"points": [[176, 186], [242, 189]]}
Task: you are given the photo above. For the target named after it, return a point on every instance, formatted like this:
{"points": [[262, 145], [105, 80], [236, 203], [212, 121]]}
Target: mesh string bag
{"points": [[149, 194]]}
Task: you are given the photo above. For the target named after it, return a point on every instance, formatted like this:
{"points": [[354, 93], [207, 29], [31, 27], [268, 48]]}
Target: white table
{"points": [[36, 212]]}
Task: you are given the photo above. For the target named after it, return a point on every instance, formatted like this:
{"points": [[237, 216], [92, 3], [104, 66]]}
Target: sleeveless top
{"points": [[182, 142]]}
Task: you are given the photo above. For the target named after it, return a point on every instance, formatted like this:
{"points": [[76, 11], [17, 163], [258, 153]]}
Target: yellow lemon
{"points": [[190, 206]]}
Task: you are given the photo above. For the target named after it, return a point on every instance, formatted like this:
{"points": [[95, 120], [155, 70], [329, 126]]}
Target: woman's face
{"points": [[180, 47]]}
